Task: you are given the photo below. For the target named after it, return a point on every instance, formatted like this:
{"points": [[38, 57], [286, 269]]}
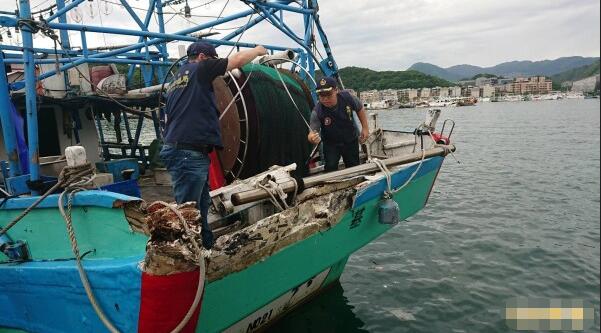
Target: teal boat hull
{"points": [[239, 295], [244, 301]]}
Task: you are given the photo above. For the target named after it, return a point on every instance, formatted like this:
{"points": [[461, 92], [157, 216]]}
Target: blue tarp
{"points": [[20, 136]]}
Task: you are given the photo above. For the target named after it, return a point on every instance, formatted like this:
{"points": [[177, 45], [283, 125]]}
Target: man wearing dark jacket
{"points": [[192, 126], [333, 117]]}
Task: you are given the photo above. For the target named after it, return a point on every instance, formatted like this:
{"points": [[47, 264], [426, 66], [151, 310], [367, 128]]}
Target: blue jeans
{"points": [[189, 172]]}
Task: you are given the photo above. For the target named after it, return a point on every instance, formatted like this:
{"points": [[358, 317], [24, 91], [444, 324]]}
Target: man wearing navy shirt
{"points": [[333, 117], [192, 124]]}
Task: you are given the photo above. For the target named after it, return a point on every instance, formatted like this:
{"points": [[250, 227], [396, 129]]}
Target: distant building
{"points": [[455, 91], [500, 90], [532, 85], [425, 93], [586, 85], [370, 96], [474, 91], [443, 92], [487, 91], [389, 95], [485, 81], [408, 95]]}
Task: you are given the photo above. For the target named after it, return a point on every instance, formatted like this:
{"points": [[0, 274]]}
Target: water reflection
{"points": [[329, 312]]}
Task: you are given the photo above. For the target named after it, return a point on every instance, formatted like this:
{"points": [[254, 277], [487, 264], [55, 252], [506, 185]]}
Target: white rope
{"points": [[380, 164], [271, 195], [82, 273], [278, 190], [274, 190], [444, 147], [83, 276], [239, 93], [292, 99], [421, 162], [386, 172]]}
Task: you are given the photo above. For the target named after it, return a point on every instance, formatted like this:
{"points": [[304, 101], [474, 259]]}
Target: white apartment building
{"points": [[408, 95], [370, 96], [474, 92], [455, 91], [487, 91], [443, 92], [390, 95]]}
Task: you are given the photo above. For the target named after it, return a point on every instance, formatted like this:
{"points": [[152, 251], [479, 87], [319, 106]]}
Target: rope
{"points": [[43, 27], [274, 190], [68, 176], [83, 276], [292, 99], [388, 194], [280, 192], [202, 272], [446, 148], [387, 174], [82, 273], [271, 195]]}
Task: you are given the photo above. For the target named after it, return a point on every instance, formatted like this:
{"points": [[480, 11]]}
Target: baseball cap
{"points": [[201, 47], [326, 84]]}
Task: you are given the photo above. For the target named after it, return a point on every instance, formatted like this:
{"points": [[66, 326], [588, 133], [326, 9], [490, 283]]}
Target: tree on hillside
{"points": [[362, 79]]}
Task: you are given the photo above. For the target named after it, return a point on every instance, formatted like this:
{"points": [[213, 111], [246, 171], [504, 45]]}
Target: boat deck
{"points": [[152, 192]]}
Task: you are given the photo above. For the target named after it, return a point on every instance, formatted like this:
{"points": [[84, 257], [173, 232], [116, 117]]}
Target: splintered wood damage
{"points": [[235, 252], [169, 249]]}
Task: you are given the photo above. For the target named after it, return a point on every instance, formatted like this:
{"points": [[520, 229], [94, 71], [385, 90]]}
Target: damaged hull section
{"points": [[253, 276], [233, 299]]}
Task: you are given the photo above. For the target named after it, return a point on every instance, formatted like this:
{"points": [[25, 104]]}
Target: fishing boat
{"points": [[90, 238]]}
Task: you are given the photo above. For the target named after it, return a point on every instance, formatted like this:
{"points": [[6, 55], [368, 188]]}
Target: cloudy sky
{"points": [[392, 35]]}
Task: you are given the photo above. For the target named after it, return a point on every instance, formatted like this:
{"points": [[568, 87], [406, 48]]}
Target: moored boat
{"points": [[91, 242]]}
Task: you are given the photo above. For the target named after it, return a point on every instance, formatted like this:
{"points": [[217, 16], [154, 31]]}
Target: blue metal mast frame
{"points": [[139, 54]]}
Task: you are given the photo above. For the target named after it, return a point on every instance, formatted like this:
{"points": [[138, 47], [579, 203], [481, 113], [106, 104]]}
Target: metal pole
{"points": [[61, 12], [8, 127], [30, 95], [163, 45], [242, 198], [60, 4], [309, 34]]}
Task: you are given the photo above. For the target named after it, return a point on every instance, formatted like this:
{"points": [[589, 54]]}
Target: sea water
{"points": [[519, 216]]}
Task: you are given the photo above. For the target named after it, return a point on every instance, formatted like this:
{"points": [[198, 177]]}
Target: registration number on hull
{"points": [[264, 315]]}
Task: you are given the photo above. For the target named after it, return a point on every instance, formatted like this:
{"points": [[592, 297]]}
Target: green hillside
{"points": [[362, 79], [576, 74]]}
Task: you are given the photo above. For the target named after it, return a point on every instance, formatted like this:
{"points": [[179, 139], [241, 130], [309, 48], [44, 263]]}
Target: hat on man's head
{"points": [[326, 84], [205, 48]]}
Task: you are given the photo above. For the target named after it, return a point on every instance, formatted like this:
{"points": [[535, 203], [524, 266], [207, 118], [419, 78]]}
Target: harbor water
{"points": [[519, 216]]}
